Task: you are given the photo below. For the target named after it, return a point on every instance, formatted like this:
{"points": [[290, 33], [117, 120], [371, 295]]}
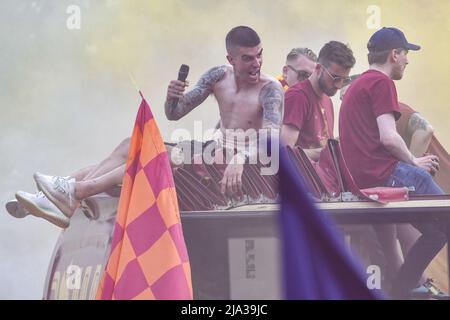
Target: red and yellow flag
{"points": [[148, 258]]}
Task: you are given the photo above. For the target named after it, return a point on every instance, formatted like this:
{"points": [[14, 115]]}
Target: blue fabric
{"points": [[432, 239], [406, 175], [316, 263]]}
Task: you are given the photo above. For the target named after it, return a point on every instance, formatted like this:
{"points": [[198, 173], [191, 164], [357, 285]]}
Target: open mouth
{"points": [[254, 75]]}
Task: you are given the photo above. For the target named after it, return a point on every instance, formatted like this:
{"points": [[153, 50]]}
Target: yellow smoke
{"points": [[66, 99], [151, 38]]}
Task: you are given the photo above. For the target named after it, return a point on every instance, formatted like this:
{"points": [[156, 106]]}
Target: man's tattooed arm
{"points": [[419, 134], [417, 122], [197, 95], [271, 98]]}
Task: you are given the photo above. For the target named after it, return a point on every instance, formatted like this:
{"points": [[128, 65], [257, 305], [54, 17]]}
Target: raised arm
{"points": [[187, 102]]}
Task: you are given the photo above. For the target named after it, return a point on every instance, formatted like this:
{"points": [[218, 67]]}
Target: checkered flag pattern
{"points": [[148, 258]]}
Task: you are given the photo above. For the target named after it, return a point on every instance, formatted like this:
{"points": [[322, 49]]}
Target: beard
{"points": [[397, 73], [323, 87]]}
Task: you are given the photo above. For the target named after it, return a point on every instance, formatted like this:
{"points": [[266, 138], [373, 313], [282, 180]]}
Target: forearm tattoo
{"points": [[271, 98], [417, 122], [198, 94]]}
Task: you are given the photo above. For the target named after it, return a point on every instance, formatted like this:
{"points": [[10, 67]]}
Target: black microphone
{"points": [[182, 75]]}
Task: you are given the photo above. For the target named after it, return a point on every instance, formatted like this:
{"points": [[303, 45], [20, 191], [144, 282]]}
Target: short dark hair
{"points": [[337, 52], [241, 36], [306, 52], [380, 57]]}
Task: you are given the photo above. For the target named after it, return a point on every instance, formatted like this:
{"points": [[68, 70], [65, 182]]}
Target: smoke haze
{"points": [[66, 98]]}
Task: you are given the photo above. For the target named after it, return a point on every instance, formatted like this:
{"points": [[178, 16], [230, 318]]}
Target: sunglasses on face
{"points": [[301, 74], [338, 79]]}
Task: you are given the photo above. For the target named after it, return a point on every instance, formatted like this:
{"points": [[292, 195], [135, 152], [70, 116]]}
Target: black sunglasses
{"points": [[301, 74], [337, 79]]}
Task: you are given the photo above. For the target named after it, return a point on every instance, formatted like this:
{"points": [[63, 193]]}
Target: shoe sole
{"points": [[42, 213], [49, 196], [11, 208]]}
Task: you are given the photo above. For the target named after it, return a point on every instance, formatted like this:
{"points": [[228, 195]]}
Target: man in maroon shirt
{"points": [[300, 63], [308, 111], [377, 155]]}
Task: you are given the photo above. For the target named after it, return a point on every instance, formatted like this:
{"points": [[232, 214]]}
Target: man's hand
{"points": [[192, 99], [429, 163], [176, 89], [231, 183]]}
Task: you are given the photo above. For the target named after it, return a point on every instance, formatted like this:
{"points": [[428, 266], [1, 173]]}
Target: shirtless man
{"points": [[247, 99]]}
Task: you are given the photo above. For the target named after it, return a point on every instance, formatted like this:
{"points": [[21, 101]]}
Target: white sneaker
{"points": [[16, 209], [60, 191], [39, 206]]}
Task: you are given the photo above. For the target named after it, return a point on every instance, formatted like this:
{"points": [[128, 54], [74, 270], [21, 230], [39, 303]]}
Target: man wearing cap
{"points": [[377, 155], [308, 114]]}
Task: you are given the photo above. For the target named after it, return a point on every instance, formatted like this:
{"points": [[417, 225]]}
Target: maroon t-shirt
{"points": [[312, 115], [370, 96]]}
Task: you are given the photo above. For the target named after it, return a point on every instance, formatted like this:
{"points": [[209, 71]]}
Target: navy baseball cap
{"points": [[388, 39]]}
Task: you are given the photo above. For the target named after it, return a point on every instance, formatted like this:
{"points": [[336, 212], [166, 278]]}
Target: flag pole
{"points": [[133, 81]]}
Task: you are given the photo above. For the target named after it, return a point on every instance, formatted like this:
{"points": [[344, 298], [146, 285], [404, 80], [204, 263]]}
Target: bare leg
{"points": [[107, 174], [90, 187], [80, 174], [116, 159], [388, 239], [408, 235]]}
